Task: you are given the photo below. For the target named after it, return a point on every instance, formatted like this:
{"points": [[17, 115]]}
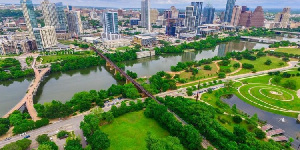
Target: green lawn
{"points": [[54, 58], [130, 130], [202, 73], [123, 48], [66, 42], [259, 63], [289, 50], [257, 79]]}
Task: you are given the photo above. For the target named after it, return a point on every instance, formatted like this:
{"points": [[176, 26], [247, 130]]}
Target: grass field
{"points": [[130, 130], [54, 58], [289, 50], [259, 63], [202, 73]]}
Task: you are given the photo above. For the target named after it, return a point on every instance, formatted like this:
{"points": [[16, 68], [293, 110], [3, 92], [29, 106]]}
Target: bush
{"points": [[247, 66], [237, 119], [236, 65], [207, 67], [222, 75], [268, 62]]}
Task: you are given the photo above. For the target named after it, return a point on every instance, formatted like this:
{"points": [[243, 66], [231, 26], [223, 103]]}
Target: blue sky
{"points": [[168, 3]]}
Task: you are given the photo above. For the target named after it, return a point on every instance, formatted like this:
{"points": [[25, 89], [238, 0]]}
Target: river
{"points": [[62, 86]]}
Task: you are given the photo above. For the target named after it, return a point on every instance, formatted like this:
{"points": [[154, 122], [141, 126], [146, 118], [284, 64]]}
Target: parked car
{"points": [[27, 136]]}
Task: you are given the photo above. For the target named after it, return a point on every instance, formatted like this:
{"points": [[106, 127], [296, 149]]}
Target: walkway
{"points": [[28, 98]]}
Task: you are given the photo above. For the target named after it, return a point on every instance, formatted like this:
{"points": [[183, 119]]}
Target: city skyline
{"points": [[181, 4]]}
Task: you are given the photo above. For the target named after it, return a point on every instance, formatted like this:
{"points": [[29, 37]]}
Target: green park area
{"points": [[277, 94], [129, 131], [61, 55], [259, 64], [289, 50], [202, 73]]}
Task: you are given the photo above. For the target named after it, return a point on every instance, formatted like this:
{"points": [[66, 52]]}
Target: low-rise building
{"points": [[145, 40]]}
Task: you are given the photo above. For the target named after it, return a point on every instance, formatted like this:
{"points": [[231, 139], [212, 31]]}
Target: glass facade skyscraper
{"points": [[208, 14], [229, 9], [197, 12], [111, 23], [61, 17]]}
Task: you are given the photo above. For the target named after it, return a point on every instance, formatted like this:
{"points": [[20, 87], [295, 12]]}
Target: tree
{"points": [[24, 143], [89, 124], [62, 133], [268, 62], [44, 147], [285, 59], [42, 138], [189, 91], [237, 119], [207, 67], [222, 75], [277, 79], [240, 134], [99, 140], [259, 133], [108, 116], [3, 129], [236, 65], [233, 108], [73, 143], [290, 84]]}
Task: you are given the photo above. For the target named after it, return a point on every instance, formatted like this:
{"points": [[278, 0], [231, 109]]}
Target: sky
{"points": [[168, 3]]}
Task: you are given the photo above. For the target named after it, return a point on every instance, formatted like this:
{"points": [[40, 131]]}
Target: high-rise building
{"points": [[31, 23], [54, 15], [171, 27], [257, 18], [145, 14], [49, 13], [175, 12], [208, 14], [245, 17], [197, 12], [236, 14], [61, 16], [168, 14], [110, 22], [29, 15], [47, 35], [229, 9], [283, 18], [190, 19], [74, 23], [153, 16]]}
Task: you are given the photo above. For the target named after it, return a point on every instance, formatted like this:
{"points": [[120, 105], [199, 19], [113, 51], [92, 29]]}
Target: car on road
{"points": [[27, 136]]}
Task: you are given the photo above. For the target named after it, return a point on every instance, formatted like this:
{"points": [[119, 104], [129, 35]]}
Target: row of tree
{"points": [[73, 63], [282, 43], [189, 137], [209, 42], [22, 123]]}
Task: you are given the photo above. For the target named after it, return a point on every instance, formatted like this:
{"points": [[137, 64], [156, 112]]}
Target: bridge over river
{"points": [[27, 100]]}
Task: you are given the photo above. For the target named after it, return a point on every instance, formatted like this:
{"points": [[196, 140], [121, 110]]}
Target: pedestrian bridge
{"points": [[27, 100]]}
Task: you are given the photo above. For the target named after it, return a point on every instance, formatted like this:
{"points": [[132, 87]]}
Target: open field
{"points": [[260, 66], [130, 130], [202, 73], [289, 50]]}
